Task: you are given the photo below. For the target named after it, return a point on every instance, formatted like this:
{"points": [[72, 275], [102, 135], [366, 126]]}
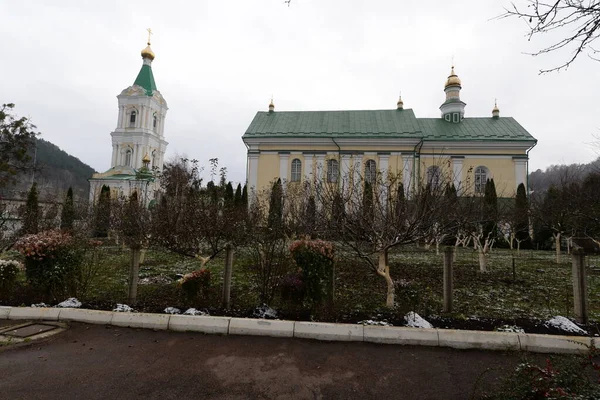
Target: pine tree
{"points": [[275, 219], [67, 215], [32, 212], [237, 199], [367, 202], [229, 193], [102, 222], [245, 196], [521, 214], [490, 200]]}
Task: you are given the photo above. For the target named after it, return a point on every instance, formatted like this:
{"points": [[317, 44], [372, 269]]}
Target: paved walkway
{"points": [[97, 362]]}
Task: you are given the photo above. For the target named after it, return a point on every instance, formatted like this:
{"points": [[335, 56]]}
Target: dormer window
{"points": [[132, 117]]}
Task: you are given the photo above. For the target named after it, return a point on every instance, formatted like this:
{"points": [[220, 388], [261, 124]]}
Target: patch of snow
{"points": [[509, 328], [172, 310], [193, 311], [564, 324], [414, 320], [71, 302], [123, 308], [40, 305], [373, 322], [265, 311], [155, 280]]}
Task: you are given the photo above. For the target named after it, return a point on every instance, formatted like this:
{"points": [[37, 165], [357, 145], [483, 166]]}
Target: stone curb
{"points": [[457, 339]]}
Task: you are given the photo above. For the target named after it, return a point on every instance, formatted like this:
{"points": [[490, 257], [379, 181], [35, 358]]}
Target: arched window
{"points": [[128, 158], [132, 117], [296, 170], [155, 123], [481, 177], [333, 169], [154, 158], [434, 177], [370, 171]]}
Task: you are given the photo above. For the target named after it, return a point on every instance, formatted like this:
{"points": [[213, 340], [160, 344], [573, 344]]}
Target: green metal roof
{"points": [[335, 123], [504, 128], [145, 79], [382, 124]]}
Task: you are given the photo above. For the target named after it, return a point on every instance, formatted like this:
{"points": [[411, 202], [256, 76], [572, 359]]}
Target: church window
{"points": [[128, 158], [455, 117], [370, 171], [434, 177], [132, 117], [155, 123], [333, 168], [481, 177], [154, 158], [296, 170]]}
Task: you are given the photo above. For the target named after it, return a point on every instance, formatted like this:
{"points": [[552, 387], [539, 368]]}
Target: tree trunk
{"points": [[482, 260], [383, 270], [557, 244], [511, 239], [227, 276], [437, 247], [518, 247], [143, 255], [134, 275]]}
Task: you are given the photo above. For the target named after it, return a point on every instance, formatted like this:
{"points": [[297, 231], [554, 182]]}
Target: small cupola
{"points": [[453, 108], [400, 104], [496, 111], [271, 106]]}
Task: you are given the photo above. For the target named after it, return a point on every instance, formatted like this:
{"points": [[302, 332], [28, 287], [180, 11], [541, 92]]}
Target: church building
{"points": [[299, 146], [138, 142]]}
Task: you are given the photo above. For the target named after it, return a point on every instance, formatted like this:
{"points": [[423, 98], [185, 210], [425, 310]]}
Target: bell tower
{"points": [[453, 109]]}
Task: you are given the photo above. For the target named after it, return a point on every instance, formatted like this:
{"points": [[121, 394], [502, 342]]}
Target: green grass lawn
{"points": [[542, 288]]}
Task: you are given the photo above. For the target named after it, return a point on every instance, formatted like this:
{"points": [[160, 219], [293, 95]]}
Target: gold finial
{"points": [[147, 52], [400, 103], [271, 105], [453, 79], [496, 110], [146, 158]]}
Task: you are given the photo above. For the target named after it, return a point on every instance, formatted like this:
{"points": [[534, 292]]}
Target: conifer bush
{"points": [[52, 262], [315, 260], [9, 270]]}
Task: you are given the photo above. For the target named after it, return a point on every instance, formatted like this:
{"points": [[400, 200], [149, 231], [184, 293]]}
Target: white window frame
{"points": [[296, 170]]}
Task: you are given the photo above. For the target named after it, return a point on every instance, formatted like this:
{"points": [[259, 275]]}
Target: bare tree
{"points": [[577, 20], [369, 214]]}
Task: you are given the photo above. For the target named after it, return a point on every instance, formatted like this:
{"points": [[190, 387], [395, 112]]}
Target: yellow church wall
{"points": [[501, 169], [268, 170]]}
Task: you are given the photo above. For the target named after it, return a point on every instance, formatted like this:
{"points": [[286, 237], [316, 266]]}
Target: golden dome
{"points": [[400, 103], [496, 109], [148, 53], [146, 158], [453, 79]]}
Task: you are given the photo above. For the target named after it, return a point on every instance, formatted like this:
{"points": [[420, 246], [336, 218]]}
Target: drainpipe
{"points": [[247, 162], [527, 172], [415, 151]]}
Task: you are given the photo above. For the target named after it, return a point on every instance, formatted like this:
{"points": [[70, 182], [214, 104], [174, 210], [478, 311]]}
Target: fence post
{"points": [[448, 278], [227, 275], [580, 296]]}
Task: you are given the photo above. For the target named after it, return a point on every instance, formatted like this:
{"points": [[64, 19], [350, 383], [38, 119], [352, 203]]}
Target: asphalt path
{"points": [[98, 362]]}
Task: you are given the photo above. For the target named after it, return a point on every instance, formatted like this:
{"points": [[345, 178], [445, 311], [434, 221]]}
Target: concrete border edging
{"points": [[261, 327], [458, 339]]}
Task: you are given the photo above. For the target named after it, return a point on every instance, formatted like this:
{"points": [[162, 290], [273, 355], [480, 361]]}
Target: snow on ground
{"points": [[193, 311], [172, 310], [71, 302], [414, 320], [564, 324], [374, 323], [509, 328], [265, 311], [42, 305], [123, 308]]}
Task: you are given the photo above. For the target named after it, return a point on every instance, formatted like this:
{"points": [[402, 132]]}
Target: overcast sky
{"points": [[218, 62]]}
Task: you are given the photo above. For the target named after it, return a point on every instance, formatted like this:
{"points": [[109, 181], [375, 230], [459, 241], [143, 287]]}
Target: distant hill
{"points": [[56, 170], [540, 181]]}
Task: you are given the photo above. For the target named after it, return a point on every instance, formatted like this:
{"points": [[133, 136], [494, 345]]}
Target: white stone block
{"points": [[87, 316], [205, 324], [401, 335], [34, 313], [261, 327], [141, 320], [554, 344], [460, 339], [4, 311], [328, 331]]}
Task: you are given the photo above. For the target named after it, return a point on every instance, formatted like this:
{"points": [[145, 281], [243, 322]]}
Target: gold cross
{"points": [[149, 33]]}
